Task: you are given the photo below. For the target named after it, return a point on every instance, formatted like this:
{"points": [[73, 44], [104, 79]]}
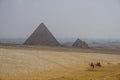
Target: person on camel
{"points": [[98, 64]]}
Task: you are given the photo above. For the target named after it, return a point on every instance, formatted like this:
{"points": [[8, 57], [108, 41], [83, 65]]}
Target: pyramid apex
{"points": [[41, 23], [78, 39]]}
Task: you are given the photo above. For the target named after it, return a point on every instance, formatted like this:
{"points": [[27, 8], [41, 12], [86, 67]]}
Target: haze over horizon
{"points": [[64, 18]]}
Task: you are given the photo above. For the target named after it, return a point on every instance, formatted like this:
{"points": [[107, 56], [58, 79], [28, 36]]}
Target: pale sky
{"points": [[64, 18]]}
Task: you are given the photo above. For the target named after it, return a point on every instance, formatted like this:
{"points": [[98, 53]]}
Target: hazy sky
{"points": [[64, 18]]}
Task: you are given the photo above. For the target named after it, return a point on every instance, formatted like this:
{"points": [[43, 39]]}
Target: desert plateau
{"points": [[21, 62]]}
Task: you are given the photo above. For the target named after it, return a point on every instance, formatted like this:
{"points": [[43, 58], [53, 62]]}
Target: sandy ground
{"points": [[38, 64]]}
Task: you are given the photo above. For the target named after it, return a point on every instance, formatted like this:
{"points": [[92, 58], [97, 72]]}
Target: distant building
{"points": [[42, 36], [80, 44]]}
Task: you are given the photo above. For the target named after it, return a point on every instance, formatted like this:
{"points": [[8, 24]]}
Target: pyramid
{"points": [[42, 36], [80, 44]]}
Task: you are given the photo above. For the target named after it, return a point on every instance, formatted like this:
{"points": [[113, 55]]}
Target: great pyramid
{"points": [[80, 44], [42, 36]]}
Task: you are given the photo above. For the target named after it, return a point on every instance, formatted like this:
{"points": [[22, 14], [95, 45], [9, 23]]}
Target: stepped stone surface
{"points": [[42, 36], [80, 44]]}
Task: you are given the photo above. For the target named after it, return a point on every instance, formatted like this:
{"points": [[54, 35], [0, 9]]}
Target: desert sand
{"points": [[51, 63]]}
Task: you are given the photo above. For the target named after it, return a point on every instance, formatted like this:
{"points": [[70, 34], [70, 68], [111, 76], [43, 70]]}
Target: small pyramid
{"points": [[42, 36], [80, 44]]}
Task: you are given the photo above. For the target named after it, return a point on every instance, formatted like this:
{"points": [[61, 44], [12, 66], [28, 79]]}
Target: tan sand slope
{"points": [[45, 64], [111, 72]]}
